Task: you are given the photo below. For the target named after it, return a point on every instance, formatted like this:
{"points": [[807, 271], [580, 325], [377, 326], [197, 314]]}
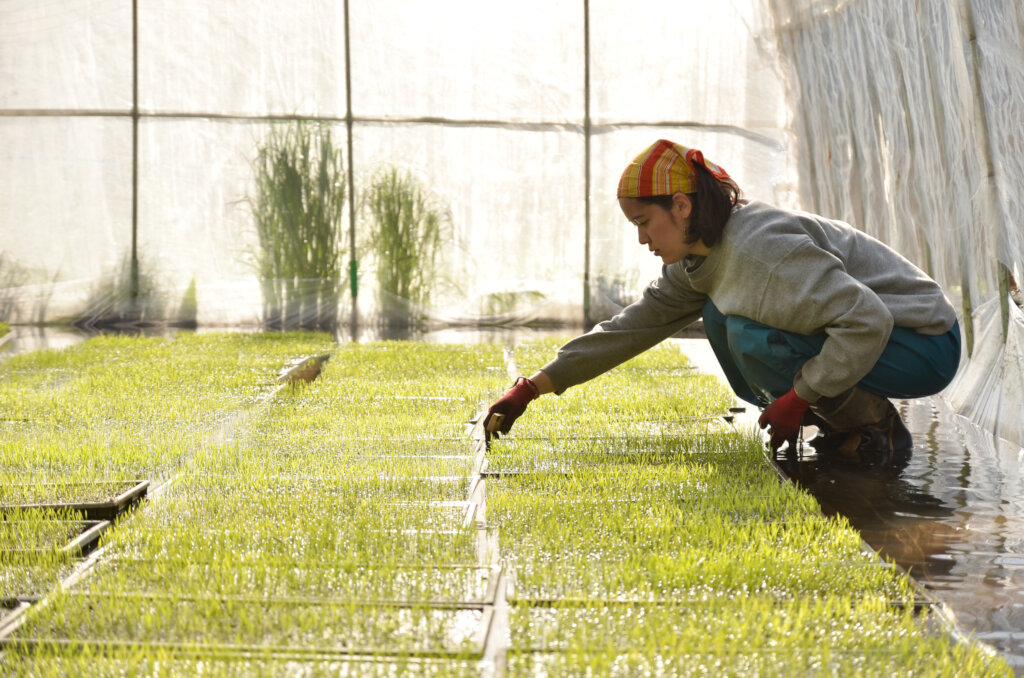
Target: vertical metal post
{"points": [[990, 170], [133, 291], [586, 164], [353, 266]]}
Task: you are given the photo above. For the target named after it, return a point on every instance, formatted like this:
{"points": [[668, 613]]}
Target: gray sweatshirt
{"points": [[790, 270]]}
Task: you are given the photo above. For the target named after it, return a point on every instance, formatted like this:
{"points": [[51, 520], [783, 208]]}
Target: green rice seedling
{"points": [[106, 661], [34, 577], [108, 413], [55, 490], [344, 538], [35, 553], [525, 455], [445, 585], [297, 209], [352, 487], [697, 574], [38, 530], [764, 636], [306, 515], [627, 401], [4, 328], [322, 533], [208, 622], [939, 658], [318, 464], [408, 234]]}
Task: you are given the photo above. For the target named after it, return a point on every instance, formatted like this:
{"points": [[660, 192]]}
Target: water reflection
{"points": [[951, 513]]}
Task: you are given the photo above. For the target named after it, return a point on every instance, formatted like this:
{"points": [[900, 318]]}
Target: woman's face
{"points": [[661, 230]]}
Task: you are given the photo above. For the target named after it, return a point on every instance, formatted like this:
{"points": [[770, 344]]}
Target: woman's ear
{"points": [[682, 202]]}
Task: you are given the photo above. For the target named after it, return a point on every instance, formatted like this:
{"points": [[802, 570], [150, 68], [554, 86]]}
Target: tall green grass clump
{"points": [[300, 197], [408, 231]]}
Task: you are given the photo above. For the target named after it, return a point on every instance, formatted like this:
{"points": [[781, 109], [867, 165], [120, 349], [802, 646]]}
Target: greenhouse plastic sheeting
{"points": [[485, 104], [988, 388]]}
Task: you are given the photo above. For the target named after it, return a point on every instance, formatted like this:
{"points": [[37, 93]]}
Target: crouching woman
{"points": [[812, 320]]}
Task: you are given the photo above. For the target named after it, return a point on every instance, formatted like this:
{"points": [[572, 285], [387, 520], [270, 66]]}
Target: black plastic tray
{"points": [[100, 510]]}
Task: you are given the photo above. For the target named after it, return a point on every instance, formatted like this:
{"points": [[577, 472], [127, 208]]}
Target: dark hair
{"points": [[712, 205]]}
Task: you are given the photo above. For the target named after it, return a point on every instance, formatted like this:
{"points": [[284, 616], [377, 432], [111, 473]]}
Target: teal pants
{"points": [[761, 362]]}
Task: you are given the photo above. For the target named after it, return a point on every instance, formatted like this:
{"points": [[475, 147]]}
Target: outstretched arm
{"points": [[666, 307]]}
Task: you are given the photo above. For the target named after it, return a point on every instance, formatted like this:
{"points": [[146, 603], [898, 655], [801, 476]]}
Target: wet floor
{"points": [[951, 513]]}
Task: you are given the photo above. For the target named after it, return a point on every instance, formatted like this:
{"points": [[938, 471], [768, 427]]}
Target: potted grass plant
{"points": [[408, 231], [298, 206]]}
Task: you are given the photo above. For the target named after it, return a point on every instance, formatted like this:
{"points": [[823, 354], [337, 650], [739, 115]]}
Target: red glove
{"points": [[512, 404], [784, 416]]}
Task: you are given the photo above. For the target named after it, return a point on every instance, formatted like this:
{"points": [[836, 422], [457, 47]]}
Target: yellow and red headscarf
{"points": [[665, 168]]}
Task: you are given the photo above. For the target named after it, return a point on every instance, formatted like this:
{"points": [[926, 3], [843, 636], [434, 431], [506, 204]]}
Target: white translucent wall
{"points": [[484, 103], [507, 160], [517, 62], [73, 56], [238, 58], [909, 122], [699, 74], [65, 198], [66, 205]]}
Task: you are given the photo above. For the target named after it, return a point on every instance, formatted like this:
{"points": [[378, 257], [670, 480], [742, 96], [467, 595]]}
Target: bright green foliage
{"points": [[342, 527], [128, 408], [837, 636], [325, 518], [34, 553], [642, 535], [86, 660], [407, 234], [301, 188]]}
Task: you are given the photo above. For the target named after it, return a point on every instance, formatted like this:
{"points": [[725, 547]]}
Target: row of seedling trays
{"points": [[43, 542], [351, 526], [319, 532], [642, 534]]}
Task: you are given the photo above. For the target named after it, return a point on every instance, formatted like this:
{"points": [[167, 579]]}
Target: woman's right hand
{"points": [[503, 413]]}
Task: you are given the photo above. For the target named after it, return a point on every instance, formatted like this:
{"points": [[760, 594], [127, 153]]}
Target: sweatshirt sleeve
{"points": [[810, 291], [667, 306]]}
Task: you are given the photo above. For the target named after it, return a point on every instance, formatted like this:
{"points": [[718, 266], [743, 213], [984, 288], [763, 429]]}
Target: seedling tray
{"points": [[83, 535], [122, 574], [222, 661], [11, 610], [119, 632], [89, 537], [125, 495], [296, 660]]}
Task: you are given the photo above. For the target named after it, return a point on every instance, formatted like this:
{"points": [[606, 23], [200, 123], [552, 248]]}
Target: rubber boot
{"points": [[873, 427], [828, 439]]}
